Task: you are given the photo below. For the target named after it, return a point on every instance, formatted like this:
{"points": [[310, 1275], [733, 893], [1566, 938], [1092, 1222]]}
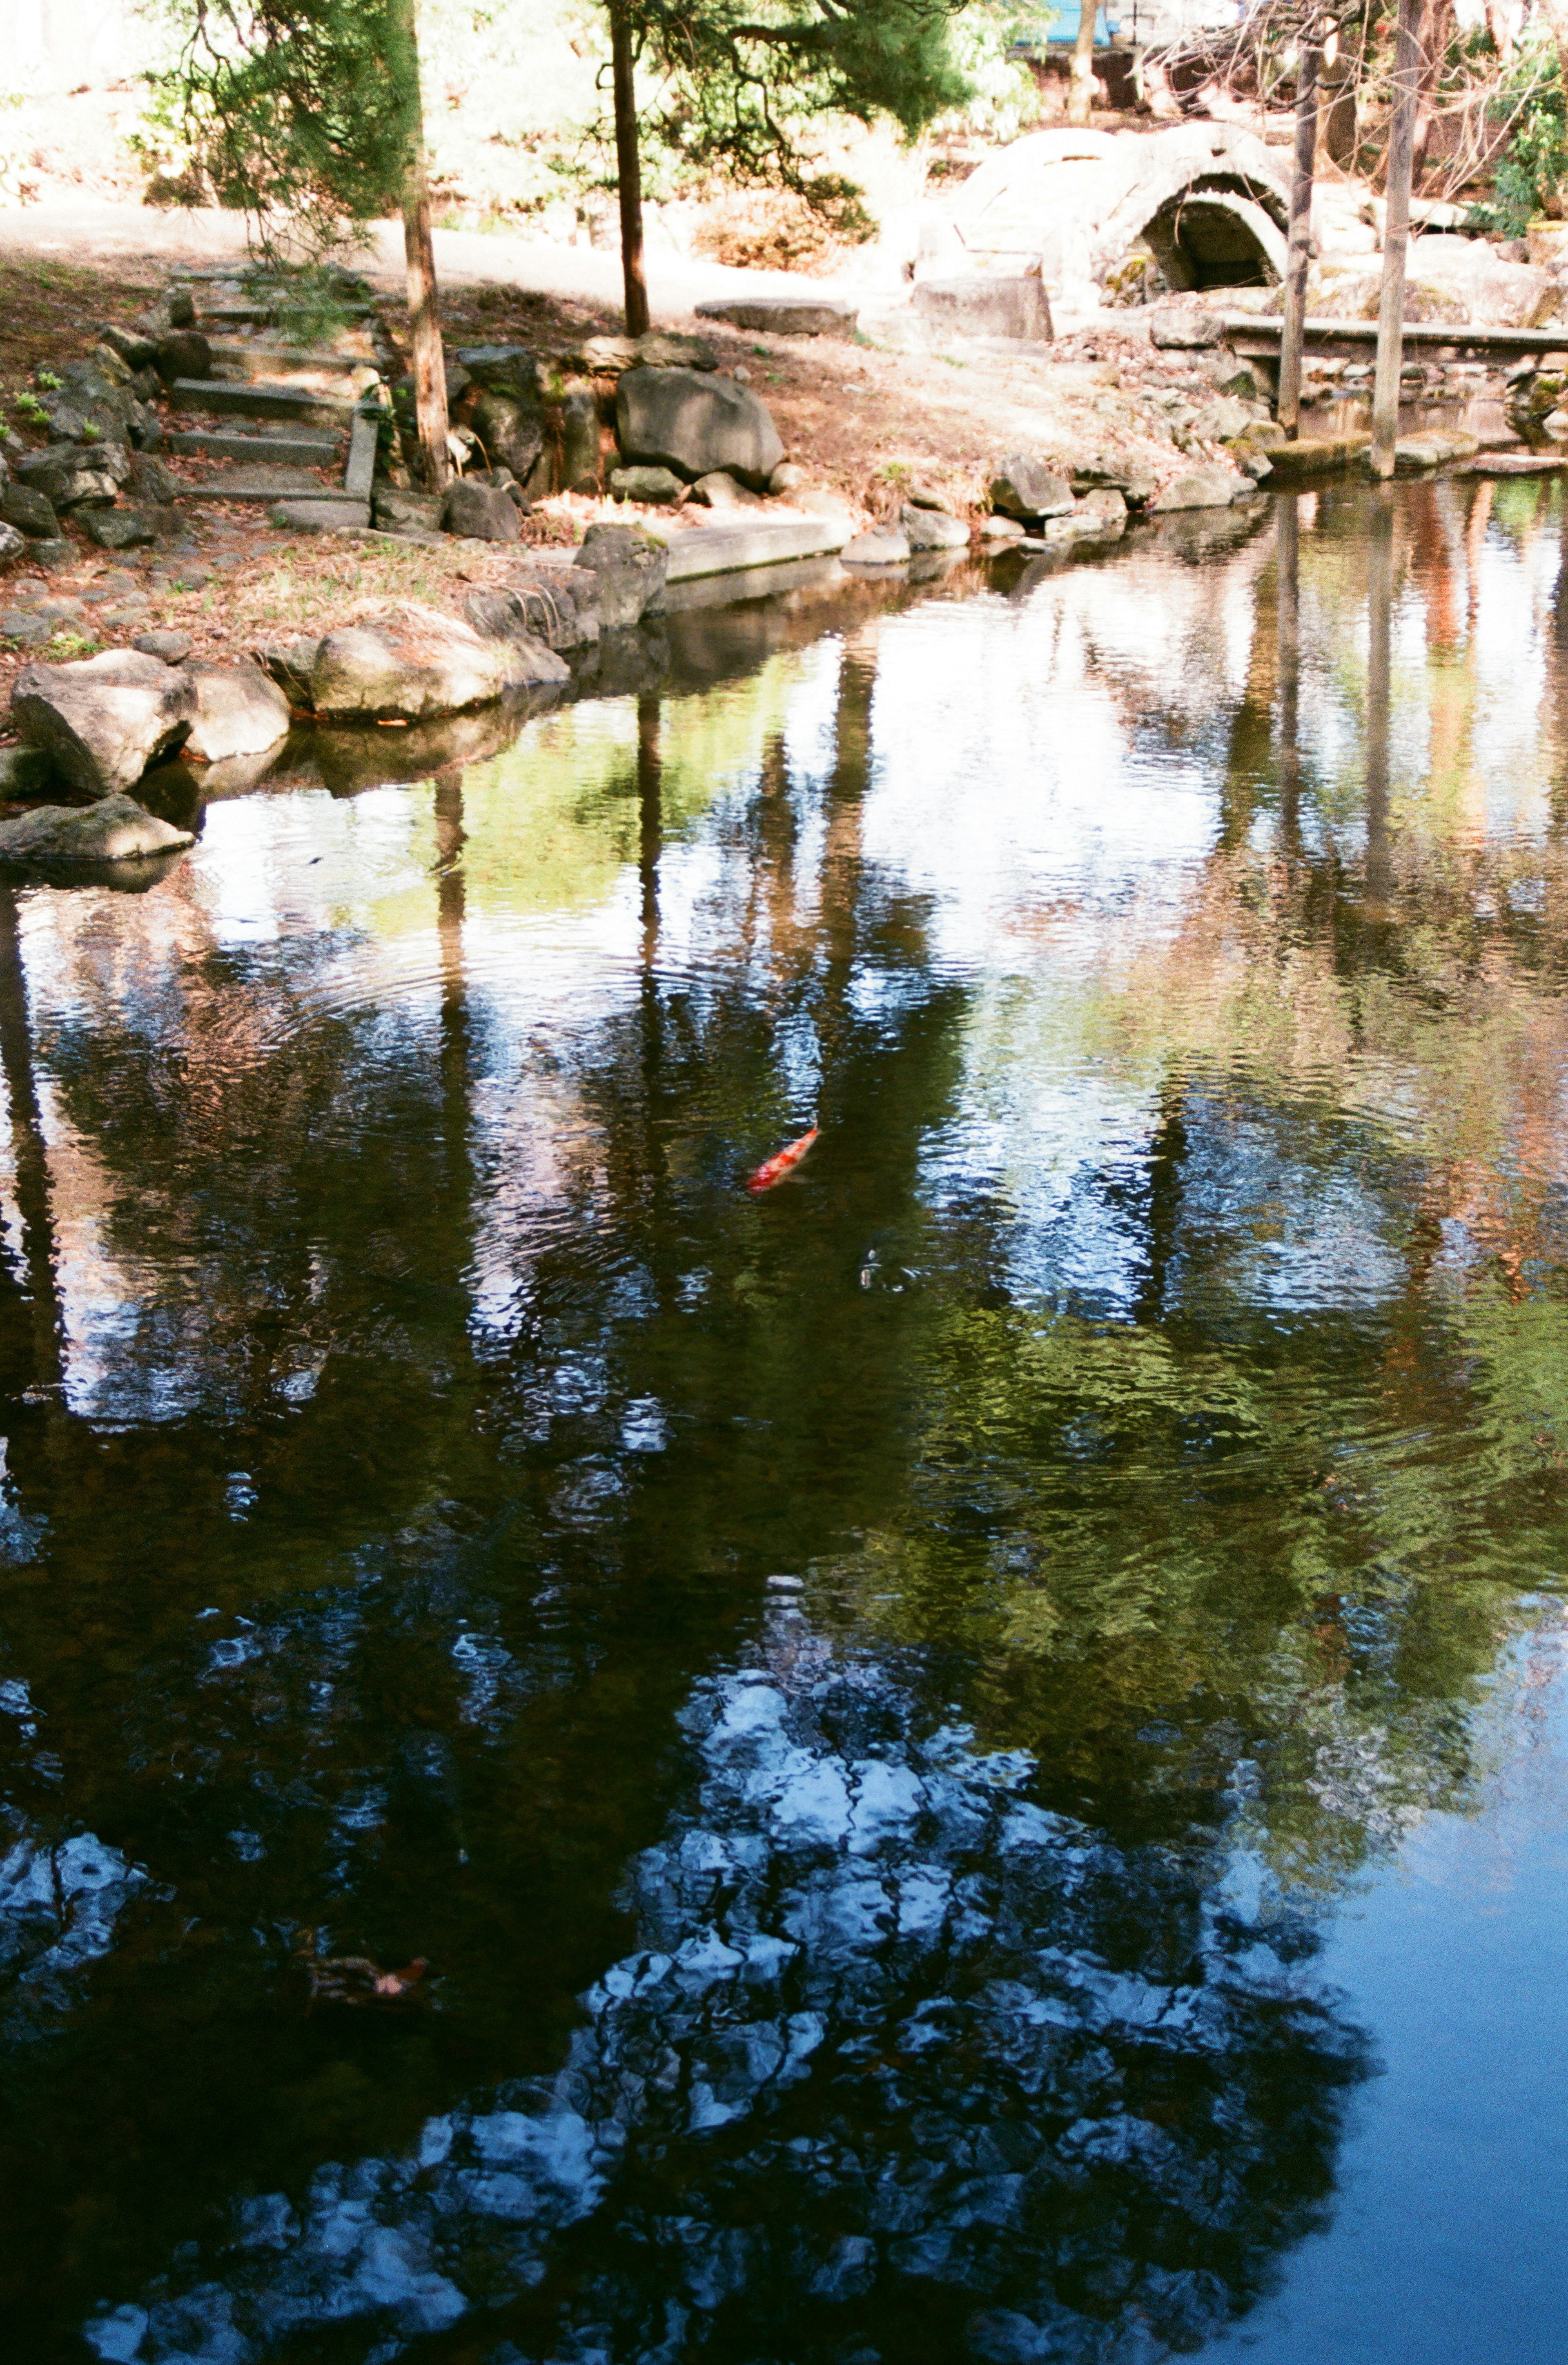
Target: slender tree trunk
{"points": [[1081, 82], [1395, 238], [628, 168], [1292, 329], [424, 308], [1435, 41]]}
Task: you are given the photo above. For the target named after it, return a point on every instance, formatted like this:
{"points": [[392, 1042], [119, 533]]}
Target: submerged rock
{"points": [[885, 545], [115, 829], [104, 719], [1201, 488]]}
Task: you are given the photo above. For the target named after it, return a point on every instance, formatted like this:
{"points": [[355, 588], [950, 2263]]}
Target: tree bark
{"points": [[629, 170], [1080, 81], [1395, 238], [1435, 41], [1294, 325], [418, 246]]}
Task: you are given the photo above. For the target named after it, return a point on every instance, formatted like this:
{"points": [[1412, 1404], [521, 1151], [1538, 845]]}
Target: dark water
{"points": [[973, 1747]]}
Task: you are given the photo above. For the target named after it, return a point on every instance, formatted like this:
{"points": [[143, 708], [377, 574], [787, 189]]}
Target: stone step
{"points": [[229, 401], [263, 314], [266, 451], [360, 472], [264, 484], [336, 516], [767, 542], [256, 360]]}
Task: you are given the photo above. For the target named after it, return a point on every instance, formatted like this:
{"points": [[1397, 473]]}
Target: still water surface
{"points": [[974, 1748]]}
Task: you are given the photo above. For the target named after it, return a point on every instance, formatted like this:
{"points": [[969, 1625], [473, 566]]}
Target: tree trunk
{"points": [[1300, 253], [629, 170], [1435, 29], [424, 308], [1395, 237], [1080, 81]]}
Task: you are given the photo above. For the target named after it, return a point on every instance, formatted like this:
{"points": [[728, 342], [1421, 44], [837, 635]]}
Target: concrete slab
{"points": [[763, 542], [359, 475]]}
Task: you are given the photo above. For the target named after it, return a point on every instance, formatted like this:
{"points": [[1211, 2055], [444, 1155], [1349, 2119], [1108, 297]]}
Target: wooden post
{"points": [[1395, 237], [1293, 329], [629, 172]]}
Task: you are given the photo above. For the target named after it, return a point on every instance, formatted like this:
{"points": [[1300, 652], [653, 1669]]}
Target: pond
{"points": [[960, 1758]]}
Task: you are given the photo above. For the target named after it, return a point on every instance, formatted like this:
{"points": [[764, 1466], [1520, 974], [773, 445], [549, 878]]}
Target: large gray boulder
{"points": [[1026, 487], [927, 528], [413, 663], [105, 719], [503, 405], [1201, 488], [30, 511], [240, 710], [629, 569], [117, 529], [116, 829], [480, 512], [693, 422], [291, 664], [985, 306], [69, 475]]}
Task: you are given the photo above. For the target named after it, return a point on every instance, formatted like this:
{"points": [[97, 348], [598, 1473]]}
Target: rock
{"points": [[1316, 456], [659, 485], [150, 481], [12, 543], [182, 308], [1106, 506], [184, 354], [138, 352], [983, 305], [54, 557], [579, 441], [1024, 487], [1185, 333], [240, 710], [22, 631], [116, 829], [105, 719], [630, 567], [1217, 421], [883, 546], [1201, 488], [509, 424], [30, 511], [999, 529], [784, 316], [414, 662], [320, 517], [1432, 446], [291, 664], [558, 606], [480, 512], [118, 529], [70, 475], [665, 349], [172, 648], [694, 422], [606, 356], [401, 513], [23, 771], [719, 490], [1555, 425], [512, 367], [788, 477], [926, 529]]}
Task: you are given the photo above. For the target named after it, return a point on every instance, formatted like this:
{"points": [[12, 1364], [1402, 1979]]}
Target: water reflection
{"points": [[945, 1634]]}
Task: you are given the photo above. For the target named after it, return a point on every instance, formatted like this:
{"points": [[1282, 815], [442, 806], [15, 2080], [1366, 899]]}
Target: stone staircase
{"points": [[294, 417]]}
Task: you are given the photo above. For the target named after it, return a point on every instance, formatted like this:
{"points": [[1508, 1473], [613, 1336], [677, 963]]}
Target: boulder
{"points": [[788, 477], [883, 546], [1106, 506], [1026, 489], [510, 424], [668, 349], [558, 606], [12, 543], [659, 485], [105, 719], [185, 354], [69, 475], [23, 771], [151, 481], [784, 316], [579, 441], [138, 352], [481, 512], [982, 305], [320, 517], [606, 356], [118, 529], [1431, 447], [291, 664], [240, 710], [1186, 332], [406, 512], [414, 663], [116, 829], [999, 529], [1201, 488], [719, 490], [630, 569], [926, 529], [173, 647], [182, 308], [692, 421]]}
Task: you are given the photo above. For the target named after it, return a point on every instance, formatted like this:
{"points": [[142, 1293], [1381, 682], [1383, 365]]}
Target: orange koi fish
{"points": [[785, 1163]]}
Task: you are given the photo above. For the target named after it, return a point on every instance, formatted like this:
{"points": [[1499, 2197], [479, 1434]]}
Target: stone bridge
{"points": [[1118, 216]]}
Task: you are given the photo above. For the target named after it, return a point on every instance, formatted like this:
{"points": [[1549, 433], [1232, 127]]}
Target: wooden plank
{"points": [[1447, 333]]}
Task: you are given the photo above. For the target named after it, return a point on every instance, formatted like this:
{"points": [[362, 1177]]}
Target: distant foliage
{"points": [[1530, 176]]}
